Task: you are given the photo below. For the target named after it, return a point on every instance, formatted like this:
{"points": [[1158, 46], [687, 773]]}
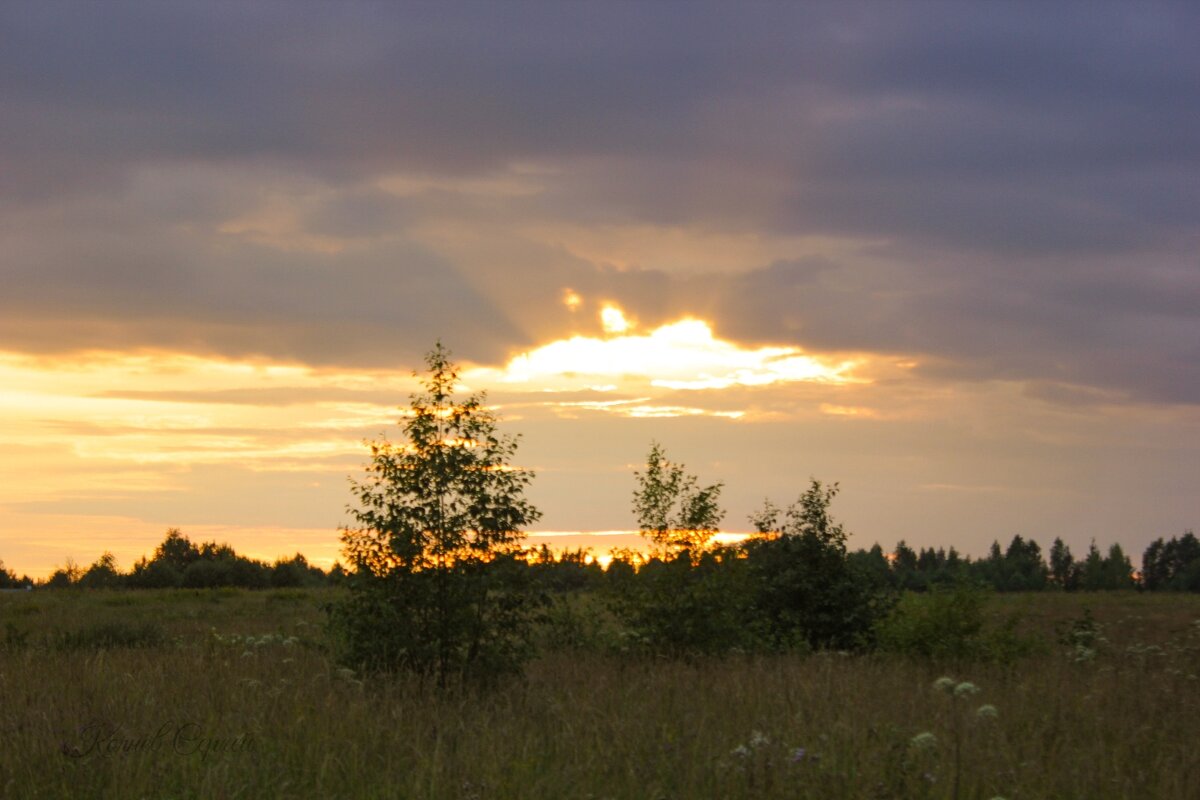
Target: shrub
{"points": [[225, 570], [155, 574], [574, 622], [675, 608], [950, 623], [103, 574], [471, 625], [806, 590]]}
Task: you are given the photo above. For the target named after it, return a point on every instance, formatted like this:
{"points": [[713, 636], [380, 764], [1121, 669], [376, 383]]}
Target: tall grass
{"points": [[238, 699]]}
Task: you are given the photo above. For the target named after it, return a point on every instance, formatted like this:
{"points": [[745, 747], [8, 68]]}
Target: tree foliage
{"points": [[1173, 564], [793, 586], [439, 520], [449, 493], [673, 511], [9, 579], [103, 574], [675, 607], [807, 591]]}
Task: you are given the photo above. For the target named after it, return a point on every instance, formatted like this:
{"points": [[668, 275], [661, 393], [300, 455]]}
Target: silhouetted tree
{"points": [[65, 576], [176, 550], [295, 572], [103, 574], [672, 510], [1118, 569], [872, 565], [436, 587], [1023, 569], [905, 568], [677, 607], [1172, 565], [9, 579], [1100, 573], [1091, 569], [570, 570], [1064, 573], [805, 589]]}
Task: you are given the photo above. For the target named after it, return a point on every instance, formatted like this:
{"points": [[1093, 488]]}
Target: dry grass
{"points": [[280, 721]]}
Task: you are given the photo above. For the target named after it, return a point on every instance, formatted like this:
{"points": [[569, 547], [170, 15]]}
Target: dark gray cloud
{"points": [[1028, 174], [1117, 324], [126, 284], [867, 91]]}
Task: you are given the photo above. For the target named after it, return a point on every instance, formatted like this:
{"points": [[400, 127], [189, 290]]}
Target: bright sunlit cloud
{"points": [[614, 321], [110, 423], [848, 411], [682, 355], [642, 408]]}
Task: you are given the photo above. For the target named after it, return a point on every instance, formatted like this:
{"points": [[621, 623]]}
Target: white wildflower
{"points": [[924, 741], [987, 712]]}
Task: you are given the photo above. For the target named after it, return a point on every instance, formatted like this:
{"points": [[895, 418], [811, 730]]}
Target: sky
{"points": [[944, 254]]}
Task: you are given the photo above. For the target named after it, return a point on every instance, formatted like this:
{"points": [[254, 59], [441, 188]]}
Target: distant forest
{"points": [[1167, 565]]}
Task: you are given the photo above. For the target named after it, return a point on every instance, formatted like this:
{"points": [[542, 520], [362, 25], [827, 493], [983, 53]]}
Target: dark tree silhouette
{"points": [[672, 510], [440, 517]]}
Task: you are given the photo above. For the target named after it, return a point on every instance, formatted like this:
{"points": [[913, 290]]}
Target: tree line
{"points": [[1167, 565], [179, 563]]}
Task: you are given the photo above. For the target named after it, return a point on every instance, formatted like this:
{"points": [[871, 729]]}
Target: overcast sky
{"points": [[947, 254]]}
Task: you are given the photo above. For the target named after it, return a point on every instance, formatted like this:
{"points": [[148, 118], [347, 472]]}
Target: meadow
{"points": [[229, 693]]}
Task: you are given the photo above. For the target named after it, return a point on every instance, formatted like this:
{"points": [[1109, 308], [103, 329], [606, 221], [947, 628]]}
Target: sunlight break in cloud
{"points": [[614, 321], [642, 408], [571, 299], [682, 355]]}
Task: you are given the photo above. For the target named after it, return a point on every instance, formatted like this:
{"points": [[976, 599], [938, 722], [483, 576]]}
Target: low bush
{"points": [[951, 623], [672, 608]]}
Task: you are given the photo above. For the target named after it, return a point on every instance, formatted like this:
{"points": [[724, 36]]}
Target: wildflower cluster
{"points": [[759, 760], [958, 692], [249, 643], [1176, 657], [1084, 639]]}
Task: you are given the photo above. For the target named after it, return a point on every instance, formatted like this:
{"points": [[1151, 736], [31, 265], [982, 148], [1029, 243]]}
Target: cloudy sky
{"points": [[945, 254]]}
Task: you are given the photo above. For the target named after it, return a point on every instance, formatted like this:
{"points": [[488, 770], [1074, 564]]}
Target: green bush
{"points": [[950, 623], [156, 574], [806, 594], [806, 590], [576, 622], [675, 608], [469, 625]]}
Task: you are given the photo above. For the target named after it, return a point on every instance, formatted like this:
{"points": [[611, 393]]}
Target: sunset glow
{"points": [[789, 242], [684, 355], [613, 320]]}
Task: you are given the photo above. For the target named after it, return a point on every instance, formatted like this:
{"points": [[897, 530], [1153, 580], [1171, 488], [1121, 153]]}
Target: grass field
{"points": [[224, 694]]}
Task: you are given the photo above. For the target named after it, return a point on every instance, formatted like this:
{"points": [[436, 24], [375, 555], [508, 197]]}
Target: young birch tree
{"points": [[672, 510], [440, 521]]}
